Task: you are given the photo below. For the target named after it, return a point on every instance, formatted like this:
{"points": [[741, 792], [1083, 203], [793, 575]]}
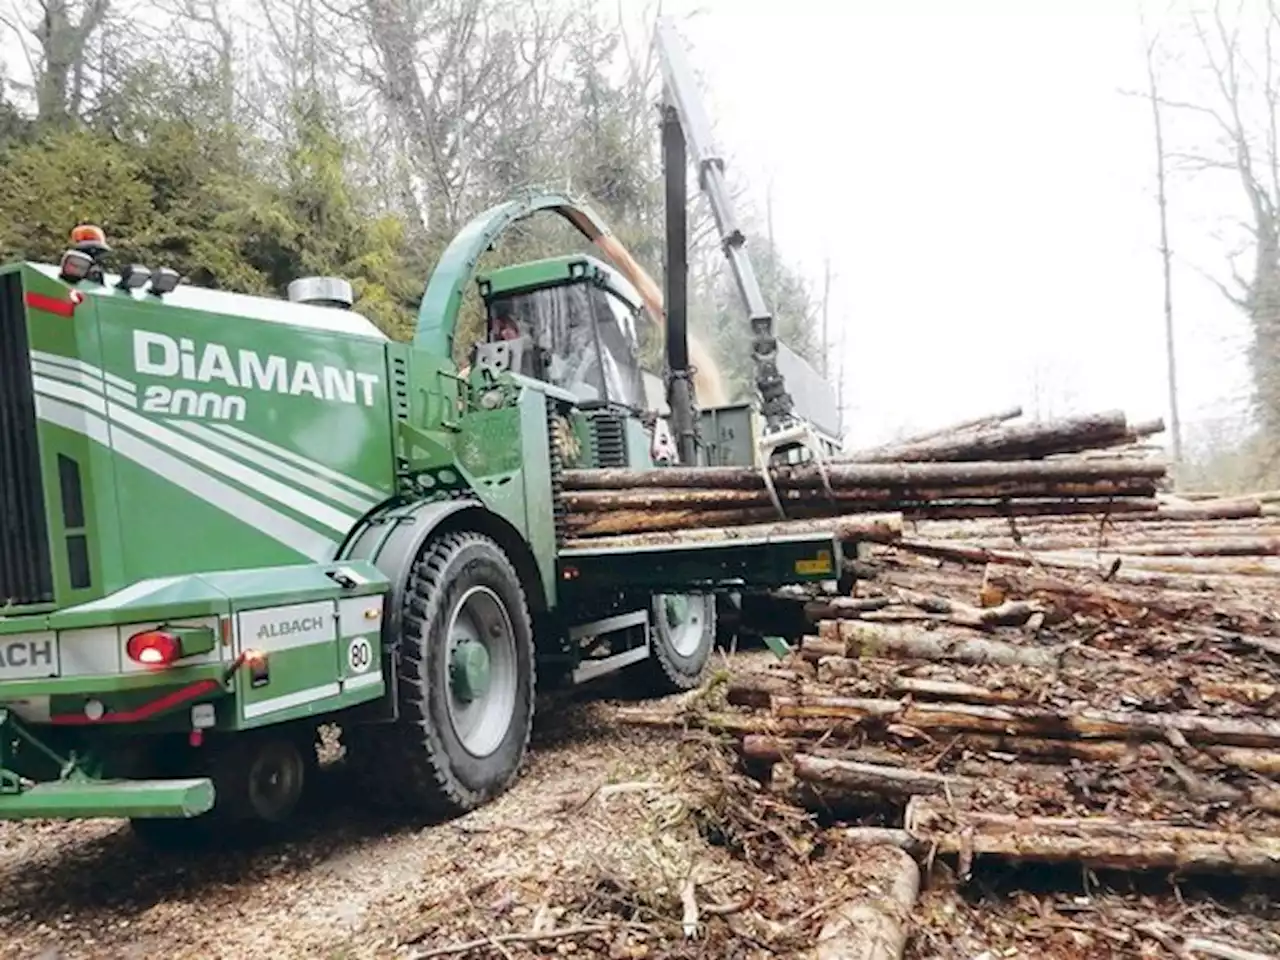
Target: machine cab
{"points": [[569, 321]]}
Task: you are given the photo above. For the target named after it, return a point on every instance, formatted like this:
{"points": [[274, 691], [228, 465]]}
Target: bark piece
{"points": [[873, 925]]}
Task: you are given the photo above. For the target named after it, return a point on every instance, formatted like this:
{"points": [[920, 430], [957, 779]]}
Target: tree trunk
{"points": [[1087, 723], [963, 426], [845, 776], [1024, 441], [646, 520], [840, 607], [1203, 547], [1105, 601], [1099, 842], [1100, 563], [882, 528], [952, 690], [684, 498], [909, 643], [874, 475], [873, 926]]}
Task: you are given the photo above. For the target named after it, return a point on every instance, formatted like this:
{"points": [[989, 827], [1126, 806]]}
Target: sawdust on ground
{"points": [[606, 833]]}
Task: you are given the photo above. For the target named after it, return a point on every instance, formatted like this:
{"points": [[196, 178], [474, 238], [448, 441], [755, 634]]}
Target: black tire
{"points": [[678, 653], [421, 764]]}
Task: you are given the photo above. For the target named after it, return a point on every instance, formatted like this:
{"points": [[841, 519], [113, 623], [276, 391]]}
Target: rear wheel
{"points": [[682, 635], [258, 779], [466, 684]]}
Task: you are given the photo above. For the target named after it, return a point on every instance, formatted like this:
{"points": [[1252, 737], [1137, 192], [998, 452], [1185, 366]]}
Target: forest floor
{"points": [[604, 841]]}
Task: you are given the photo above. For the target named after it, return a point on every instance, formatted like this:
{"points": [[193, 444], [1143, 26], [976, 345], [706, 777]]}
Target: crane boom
{"points": [[686, 129]]}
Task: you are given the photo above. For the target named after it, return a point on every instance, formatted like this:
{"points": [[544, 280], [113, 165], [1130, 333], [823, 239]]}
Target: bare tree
{"points": [[1166, 255], [55, 39], [1239, 58]]}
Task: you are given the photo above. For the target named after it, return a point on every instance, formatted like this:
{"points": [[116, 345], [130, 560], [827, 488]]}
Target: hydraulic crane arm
{"points": [[686, 128], [686, 117]]}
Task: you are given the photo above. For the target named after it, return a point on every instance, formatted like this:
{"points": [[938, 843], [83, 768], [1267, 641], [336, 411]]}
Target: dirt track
{"points": [[601, 831], [340, 883]]}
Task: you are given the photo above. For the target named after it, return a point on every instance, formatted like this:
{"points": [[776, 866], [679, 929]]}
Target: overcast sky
{"points": [[985, 193]]}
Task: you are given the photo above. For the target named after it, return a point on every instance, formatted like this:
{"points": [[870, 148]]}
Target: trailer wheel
{"points": [[258, 778], [466, 684], [681, 639]]}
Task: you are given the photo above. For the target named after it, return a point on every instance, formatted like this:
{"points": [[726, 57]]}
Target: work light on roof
{"points": [[76, 265], [133, 276], [165, 280]]}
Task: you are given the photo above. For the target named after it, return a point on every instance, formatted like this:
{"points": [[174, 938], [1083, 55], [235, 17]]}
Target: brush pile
{"points": [[987, 468]]}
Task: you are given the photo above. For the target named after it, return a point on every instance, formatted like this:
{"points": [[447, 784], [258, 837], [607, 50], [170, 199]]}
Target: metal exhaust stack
{"points": [[322, 292]]}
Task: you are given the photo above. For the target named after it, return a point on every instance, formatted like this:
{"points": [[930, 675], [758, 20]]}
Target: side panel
{"points": [[300, 643], [64, 357], [320, 656], [265, 443], [360, 644]]}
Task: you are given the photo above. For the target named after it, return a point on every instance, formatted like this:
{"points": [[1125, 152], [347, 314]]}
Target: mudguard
{"points": [[390, 539]]}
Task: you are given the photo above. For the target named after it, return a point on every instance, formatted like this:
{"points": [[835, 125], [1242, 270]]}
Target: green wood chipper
{"points": [[227, 520]]}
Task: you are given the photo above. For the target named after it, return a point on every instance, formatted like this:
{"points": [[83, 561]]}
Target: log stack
{"points": [[1047, 689], [989, 467]]}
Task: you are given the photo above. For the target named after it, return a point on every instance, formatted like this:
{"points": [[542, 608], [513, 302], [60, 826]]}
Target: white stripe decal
{"points": [[362, 680], [74, 419], [87, 380], [315, 485], [301, 461], [128, 594], [291, 533], [176, 442], [50, 364], [83, 367], [275, 704]]}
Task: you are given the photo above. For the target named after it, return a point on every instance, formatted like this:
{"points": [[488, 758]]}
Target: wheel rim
{"points": [[275, 781], [481, 671], [683, 620]]}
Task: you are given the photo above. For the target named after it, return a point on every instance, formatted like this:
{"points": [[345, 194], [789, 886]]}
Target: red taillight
{"points": [[155, 648]]}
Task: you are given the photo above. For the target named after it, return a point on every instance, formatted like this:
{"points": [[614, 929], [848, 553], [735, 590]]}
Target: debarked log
{"points": [[1100, 842], [873, 924], [896, 642], [874, 527], [1085, 722], [875, 475]]}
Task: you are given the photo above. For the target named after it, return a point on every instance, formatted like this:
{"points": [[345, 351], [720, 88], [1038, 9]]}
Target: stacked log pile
{"points": [[1045, 657], [1033, 715], [985, 468], [1095, 690]]}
